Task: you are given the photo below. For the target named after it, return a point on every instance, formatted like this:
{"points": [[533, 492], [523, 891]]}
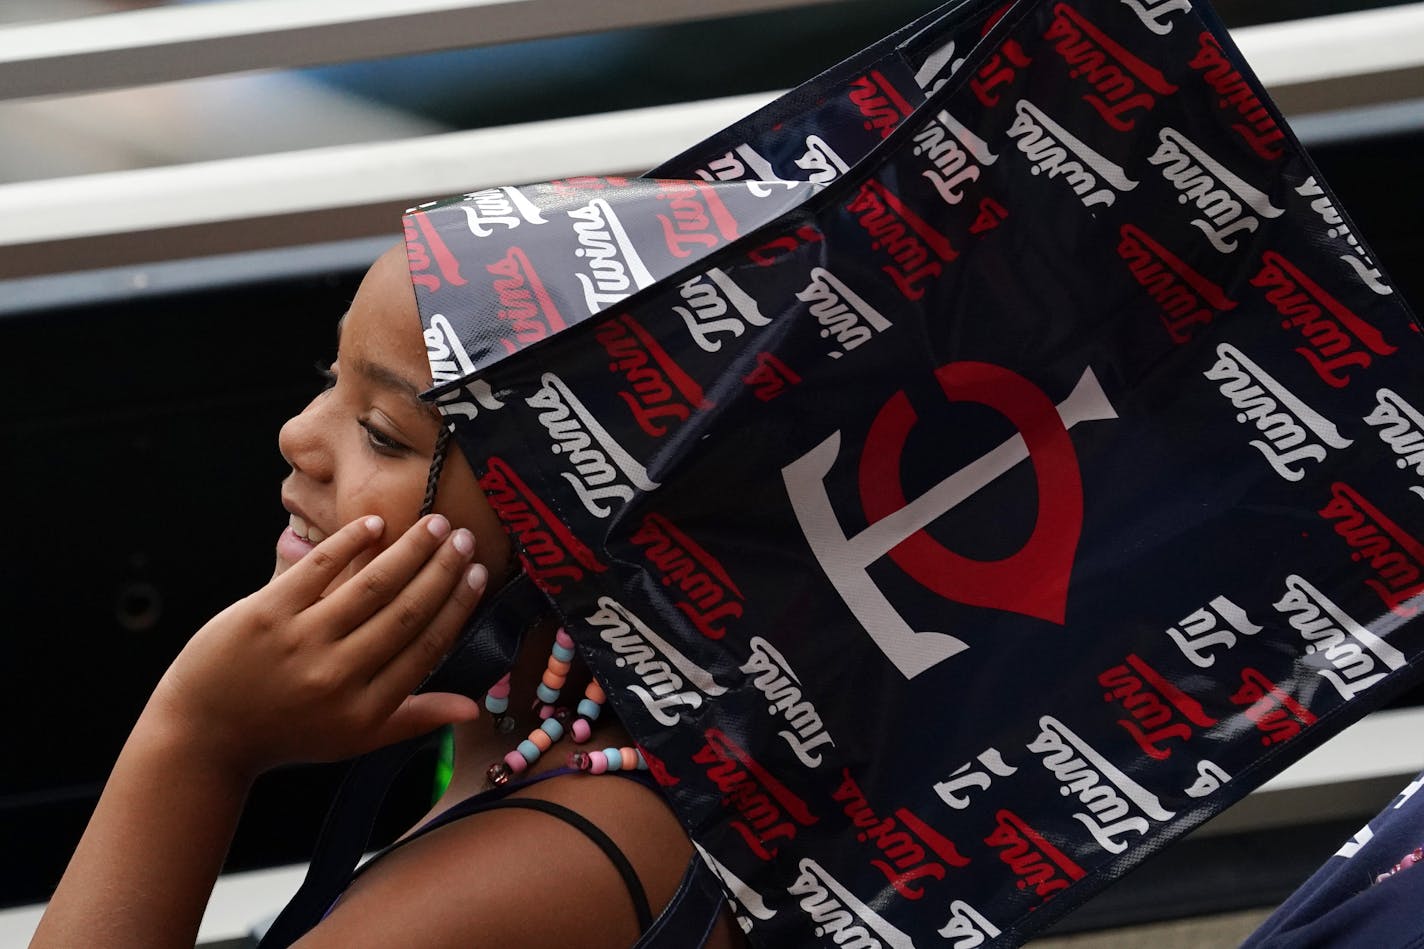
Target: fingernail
{"points": [[464, 542], [477, 576], [438, 526], [374, 524]]}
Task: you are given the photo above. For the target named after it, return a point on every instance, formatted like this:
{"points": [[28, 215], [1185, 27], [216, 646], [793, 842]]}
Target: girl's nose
{"points": [[303, 442]]}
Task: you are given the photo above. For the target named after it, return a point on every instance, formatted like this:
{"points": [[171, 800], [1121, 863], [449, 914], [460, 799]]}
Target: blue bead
{"points": [[562, 654], [553, 728], [496, 706], [589, 709], [546, 694], [529, 750], [615, 758]]}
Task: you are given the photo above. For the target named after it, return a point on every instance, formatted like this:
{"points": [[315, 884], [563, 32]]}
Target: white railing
{"points": [[162, 44], [132, 217]]}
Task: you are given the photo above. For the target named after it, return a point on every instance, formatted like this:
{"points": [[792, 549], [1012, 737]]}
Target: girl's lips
{"points": [[291, 548]]}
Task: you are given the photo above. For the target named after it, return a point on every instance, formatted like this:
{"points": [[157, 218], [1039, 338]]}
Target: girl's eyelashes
{"points": [[380, 441]]}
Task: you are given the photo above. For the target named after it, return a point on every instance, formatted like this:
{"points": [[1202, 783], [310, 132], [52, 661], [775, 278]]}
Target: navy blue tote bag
{"points": [[966, 474]]}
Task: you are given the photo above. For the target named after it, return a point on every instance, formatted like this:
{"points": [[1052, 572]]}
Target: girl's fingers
{"points": [[406, 667], [419, 714], [385, 580], [306, 579], [408, 618]]}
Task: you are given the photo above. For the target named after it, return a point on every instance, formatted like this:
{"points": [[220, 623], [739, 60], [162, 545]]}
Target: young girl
{"points": [[319, 664]]}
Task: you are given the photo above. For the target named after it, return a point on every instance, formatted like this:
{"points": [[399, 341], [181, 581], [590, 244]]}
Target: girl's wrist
{"points": [[166, 738]]}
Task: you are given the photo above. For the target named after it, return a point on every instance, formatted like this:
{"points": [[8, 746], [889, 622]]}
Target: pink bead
{"points": [[598, 763], [546, 711], [581, 730], [1408, 860], [564, 639], [630, 758], [516, 762], [501, 688]]}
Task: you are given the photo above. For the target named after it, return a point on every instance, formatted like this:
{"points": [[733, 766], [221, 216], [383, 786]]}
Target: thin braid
{"points": [[437, 462]]}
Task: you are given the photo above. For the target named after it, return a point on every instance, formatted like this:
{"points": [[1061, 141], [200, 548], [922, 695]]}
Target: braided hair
{"points": [[437, 463]]}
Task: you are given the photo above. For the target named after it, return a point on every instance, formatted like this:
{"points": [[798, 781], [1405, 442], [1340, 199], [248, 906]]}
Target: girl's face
{"points": [[363, 446]]}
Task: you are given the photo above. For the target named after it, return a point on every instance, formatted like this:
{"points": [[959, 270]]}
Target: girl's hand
{"points": [[289, 675]]}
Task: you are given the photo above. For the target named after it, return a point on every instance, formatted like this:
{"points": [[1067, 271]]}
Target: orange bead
{"points": [[594, 692], [630, 758], [553, 680], [558, 666], [541, 739]]}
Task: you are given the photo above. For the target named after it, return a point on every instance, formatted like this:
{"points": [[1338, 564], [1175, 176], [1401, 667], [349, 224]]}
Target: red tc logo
{"points": [[1032, 582]]}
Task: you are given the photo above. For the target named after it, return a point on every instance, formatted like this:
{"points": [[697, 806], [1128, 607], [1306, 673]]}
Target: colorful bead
{"points": [[497, 698], [516, 761], [556, 672], [589, 708], [630, 759], [597, 762], [553, 728], [540, 739], [528, 749], [497, 704]]}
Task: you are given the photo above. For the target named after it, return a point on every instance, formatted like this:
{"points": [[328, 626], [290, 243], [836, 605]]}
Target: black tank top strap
{"points": [[499, 798]]}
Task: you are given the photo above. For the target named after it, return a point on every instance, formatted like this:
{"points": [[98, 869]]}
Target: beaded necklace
{"points": [[552, 720]]}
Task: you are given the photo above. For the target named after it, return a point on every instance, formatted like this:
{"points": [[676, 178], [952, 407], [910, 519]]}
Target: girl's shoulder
{"points": [[540, 874]]}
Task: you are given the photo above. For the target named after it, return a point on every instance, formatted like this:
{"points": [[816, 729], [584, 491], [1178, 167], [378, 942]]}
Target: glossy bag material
{"points": [[966, 475]]}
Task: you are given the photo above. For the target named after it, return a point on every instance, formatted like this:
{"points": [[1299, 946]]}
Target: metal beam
{"points": [[104, 220], [325, 194], [162, 44], [1346, 60]]}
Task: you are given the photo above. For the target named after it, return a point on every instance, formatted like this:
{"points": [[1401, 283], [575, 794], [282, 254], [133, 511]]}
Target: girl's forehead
{"points": [[382, 324]]}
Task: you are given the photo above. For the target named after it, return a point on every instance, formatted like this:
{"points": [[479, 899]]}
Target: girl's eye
{"points": [[380, 441]]}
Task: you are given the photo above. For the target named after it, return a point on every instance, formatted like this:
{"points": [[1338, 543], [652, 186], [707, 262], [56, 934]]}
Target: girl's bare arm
{"points": [[295, 672]]}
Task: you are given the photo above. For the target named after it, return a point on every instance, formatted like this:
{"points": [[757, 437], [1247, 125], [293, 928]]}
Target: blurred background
{"points": [[189, 194]]}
